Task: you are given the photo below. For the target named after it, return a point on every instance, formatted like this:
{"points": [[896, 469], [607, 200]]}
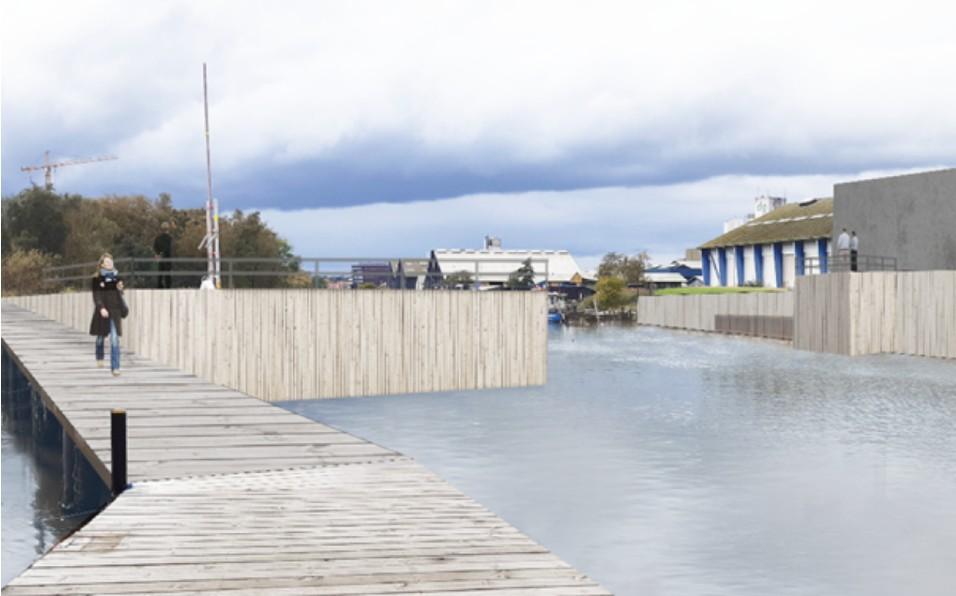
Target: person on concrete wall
{"points": [[843, 247], [109, 308], [854, 248], [163, 250]]}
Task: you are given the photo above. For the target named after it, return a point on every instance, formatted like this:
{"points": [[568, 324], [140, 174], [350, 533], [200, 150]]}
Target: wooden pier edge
{"points": [[101, 470], [233, 495]]}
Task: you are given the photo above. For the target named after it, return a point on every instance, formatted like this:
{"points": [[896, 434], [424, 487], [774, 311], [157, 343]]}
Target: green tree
{"points": [[610, 264], [34, 220], [521, 278], [611, 293], [138, 220], [629, 268], [22, 272], [73, 229], [459, 280], [90, 232], [244, 235]]}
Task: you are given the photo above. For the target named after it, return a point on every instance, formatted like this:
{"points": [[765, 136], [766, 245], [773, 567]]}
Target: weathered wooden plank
{"points": [[155, 539], [126, 558], [393, 583], [205, 441]]}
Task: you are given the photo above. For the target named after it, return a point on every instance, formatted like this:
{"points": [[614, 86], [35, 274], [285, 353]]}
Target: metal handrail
{"points": [[842, 262], [92, 264], [232, 268]]}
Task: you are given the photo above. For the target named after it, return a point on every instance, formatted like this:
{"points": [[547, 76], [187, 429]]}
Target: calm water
{"points": [[663, 463], [37, 512], [32, 519], [670, 463]]}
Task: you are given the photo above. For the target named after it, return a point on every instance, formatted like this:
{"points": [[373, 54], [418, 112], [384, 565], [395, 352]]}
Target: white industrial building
{"points": [[492, 266], [774, 249]]}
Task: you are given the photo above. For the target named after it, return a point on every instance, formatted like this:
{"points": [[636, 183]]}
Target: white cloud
{"points": [[664, 220], [484, 85]]}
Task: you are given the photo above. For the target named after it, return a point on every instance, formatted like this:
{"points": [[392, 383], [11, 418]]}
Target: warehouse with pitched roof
{"points": [[772, 250], [492, 267]]}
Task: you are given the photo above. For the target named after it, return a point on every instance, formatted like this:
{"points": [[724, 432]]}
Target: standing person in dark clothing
{"points": [[107, 312], [854, 250], [163, 250]]}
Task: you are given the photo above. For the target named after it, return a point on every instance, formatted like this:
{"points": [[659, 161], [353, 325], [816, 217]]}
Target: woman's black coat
{"points": [[105, 295]]}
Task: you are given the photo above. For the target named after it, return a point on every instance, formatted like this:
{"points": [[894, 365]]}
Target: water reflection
{"points": [[675, 463], [41, 504]]}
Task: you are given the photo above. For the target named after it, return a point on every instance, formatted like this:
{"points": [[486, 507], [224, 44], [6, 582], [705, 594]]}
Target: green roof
{"points": [[796, 221]]}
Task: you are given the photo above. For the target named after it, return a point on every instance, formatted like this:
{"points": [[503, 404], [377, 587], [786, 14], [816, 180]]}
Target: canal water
{"points": [[41, 504], [661, 462]]}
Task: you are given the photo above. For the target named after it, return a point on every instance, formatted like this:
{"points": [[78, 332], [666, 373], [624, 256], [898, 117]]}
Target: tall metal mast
{"points": [[212, 206]]}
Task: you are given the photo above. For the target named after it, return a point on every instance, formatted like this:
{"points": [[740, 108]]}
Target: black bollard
{"points": [[118, 450]]}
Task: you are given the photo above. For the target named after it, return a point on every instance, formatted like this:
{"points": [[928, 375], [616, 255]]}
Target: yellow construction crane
{"points": [[48, 166]]}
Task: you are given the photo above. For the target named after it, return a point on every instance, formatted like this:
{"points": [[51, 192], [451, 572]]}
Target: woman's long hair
{"points": [[99, 264]]}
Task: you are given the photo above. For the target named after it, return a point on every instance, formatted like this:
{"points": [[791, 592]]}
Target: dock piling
{"points": [[118, 450], [68, 460]]}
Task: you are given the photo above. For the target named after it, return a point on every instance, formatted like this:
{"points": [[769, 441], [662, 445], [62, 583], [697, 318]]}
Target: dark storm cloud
{"points": [[349, 104]]}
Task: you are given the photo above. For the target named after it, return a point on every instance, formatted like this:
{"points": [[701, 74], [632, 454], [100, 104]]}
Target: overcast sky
{"points": [[390, 128]]}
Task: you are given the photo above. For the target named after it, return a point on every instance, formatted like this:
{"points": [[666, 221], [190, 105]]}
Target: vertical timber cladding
{"points": [[699, 312], [907, 312], [924, 311], [822, 321], [305, 344]]}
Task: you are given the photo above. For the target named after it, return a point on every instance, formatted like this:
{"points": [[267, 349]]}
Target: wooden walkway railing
{"points": [[232, 494]]}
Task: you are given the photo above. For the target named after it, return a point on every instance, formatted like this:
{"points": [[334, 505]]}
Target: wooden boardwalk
{"points": [[233, 495]]}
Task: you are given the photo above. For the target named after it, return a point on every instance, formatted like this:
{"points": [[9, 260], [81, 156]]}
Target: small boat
{"points": [[555, 316]]}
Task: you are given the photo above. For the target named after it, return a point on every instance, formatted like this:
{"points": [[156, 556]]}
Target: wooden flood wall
{"points": [[911, 312], [304, 344], [699, 312], [755, 326]]}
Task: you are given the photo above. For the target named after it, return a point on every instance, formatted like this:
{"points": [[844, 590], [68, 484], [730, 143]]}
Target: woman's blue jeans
{"points": [[114, 347]]}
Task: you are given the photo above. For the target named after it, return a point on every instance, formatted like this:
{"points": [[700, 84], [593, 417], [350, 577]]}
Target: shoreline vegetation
{"points": [[44, 228], [713, 290]]}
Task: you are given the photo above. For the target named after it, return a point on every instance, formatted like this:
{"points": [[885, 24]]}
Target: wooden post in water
{"points": [[118, 450], [68, 458]]}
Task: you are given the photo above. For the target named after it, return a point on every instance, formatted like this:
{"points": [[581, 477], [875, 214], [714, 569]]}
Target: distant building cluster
{"points": [[902, 222], [899, 223], [488, 268], [677, 274]]}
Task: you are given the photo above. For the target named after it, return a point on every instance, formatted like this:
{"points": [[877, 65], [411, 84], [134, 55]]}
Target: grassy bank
{"points": [[710, 290]]}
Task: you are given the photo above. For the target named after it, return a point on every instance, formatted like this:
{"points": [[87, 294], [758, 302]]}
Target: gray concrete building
{"points": [[911, 218]]}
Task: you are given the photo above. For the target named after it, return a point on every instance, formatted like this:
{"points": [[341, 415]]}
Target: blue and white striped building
{"points": [[772, 250]]}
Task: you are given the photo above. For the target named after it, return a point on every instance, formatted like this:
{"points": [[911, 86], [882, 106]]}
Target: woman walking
{"points": [[107, 312]]}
